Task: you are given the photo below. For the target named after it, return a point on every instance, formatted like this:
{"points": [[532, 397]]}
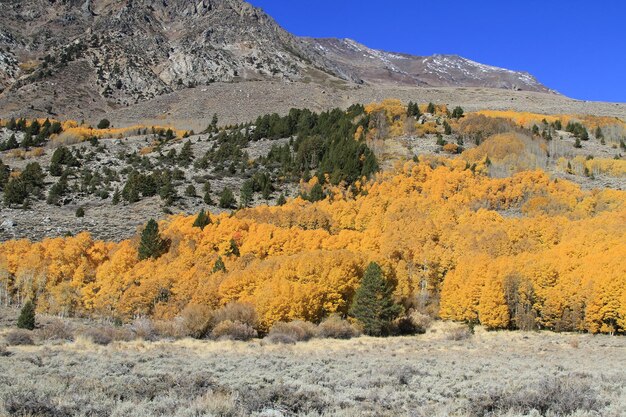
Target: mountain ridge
{"points": [[95, 56]]}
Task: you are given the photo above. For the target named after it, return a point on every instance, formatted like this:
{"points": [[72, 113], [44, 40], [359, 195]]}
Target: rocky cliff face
{"points": [[60, 56]]}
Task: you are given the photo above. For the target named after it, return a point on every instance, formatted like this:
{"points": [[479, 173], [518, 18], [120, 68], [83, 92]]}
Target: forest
{"points": [[483, 235], [525, 251]]}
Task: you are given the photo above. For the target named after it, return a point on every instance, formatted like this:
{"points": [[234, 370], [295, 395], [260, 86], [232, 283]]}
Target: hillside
{"points": [[474, 216], [84, 167]]}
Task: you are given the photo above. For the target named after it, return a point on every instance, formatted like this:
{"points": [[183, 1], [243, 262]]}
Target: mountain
{"points": [[80, 57], [374, 66]]}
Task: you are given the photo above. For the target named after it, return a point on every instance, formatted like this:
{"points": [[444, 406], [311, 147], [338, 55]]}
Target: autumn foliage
{"points": [[522, 251]]}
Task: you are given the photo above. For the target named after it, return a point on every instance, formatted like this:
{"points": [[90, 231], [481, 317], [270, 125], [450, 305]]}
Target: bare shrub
{"points": [[457, 333], [4, 352], [281, 339], [143, 328], [171, 329], [57, 329], [551, 396], [19, 338], [413, 323], [236, 312], [335, 327], [21, 402], [233, 330], [289, 399], [107, 334], [196, 320], [297, 331]]}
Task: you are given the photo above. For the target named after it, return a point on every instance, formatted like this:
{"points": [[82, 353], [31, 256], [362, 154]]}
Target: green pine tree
{"points": [[577, 143], [202, 220], [185, 157], [373, 305], [227, 199], [26, 319], [246, 194], [15, 192], [116, 197], [151, 244], [219, 265], [317, 193]]}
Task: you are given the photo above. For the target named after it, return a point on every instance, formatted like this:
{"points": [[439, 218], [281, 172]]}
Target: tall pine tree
{"points": [[373, 305], [202, 220], [151, 244]]}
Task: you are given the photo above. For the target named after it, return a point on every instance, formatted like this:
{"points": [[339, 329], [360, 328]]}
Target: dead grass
{"points": [[492, 374]]}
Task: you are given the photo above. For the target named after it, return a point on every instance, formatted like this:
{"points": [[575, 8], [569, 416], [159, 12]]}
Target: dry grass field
{"points": [[484, 374]]}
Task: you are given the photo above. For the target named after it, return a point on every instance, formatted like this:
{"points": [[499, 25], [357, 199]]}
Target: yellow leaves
{"points": [[583, 166], [438, 229]]}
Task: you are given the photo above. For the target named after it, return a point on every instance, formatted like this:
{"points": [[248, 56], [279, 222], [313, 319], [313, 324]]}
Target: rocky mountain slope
{"points": [[80, 58], [374, 66]]}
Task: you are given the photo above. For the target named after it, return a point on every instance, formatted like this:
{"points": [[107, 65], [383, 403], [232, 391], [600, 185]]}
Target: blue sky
{"points": [[575, 47]]}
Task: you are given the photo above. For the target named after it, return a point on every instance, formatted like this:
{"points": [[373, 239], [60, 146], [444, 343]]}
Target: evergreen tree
{"points": [[80, 212], [190, 191], [33, 176], [27, 140], [599, 133], [116, 197], [227, 199], [584, 134], [15, 192], [535, 130], [577, 143], [26, 319], [317, 193], [558, 125], [202, 220], [373, 305], [457, 113], [281, 200], [167, 192], [151, 244], [5, 174], [431, 108], [185, 157], [56, 170], [58, 190], [207, 198], [413, 110], [11, 143], [446, 128], [104, 124], [214, 122], [247, 191], [219, 265], [207, 193]]}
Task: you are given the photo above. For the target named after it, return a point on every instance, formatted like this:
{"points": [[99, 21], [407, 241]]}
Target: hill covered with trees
{"points": [[524, 251]]}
